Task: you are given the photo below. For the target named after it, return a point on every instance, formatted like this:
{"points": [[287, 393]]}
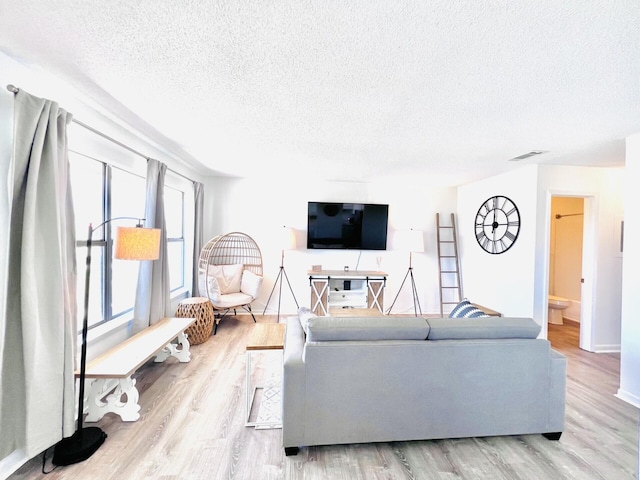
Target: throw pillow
{"points": [[250, 283], [210, 288], [229, 277], [304, 315], [465, 309]]}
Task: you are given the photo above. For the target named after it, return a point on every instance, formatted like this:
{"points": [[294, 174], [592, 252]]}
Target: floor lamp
{"points": [[132, 243], [288, 242], [412, 240]]}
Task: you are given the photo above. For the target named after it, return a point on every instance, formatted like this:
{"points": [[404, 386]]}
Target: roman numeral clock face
{"points": [[497, 224]]}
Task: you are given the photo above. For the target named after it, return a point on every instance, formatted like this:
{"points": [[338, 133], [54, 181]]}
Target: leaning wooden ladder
{"points": [[448, 264]]}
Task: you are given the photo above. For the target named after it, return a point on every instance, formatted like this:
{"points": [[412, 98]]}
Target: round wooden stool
{"points": [[201, 309]]}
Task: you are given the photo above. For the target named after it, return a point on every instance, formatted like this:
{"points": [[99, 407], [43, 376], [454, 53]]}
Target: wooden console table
{"points": [[265, 336], [356, 289]]}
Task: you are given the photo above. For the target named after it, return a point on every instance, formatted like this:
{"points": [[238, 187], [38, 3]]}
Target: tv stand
{"points": [[359, 289]]}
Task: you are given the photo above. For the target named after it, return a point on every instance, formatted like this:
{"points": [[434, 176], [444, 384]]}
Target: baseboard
{"points": [[12, 462], [571, 322], [628, 397], [607, 348]]}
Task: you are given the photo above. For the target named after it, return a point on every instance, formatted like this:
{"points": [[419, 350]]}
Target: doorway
{"points": [[569, 245]]}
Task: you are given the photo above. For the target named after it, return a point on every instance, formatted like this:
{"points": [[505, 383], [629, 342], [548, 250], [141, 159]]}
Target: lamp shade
{"points": [[411, 240], [137, 243], [288, 240]]}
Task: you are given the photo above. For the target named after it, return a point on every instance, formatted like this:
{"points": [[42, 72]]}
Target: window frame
{"points": [[106, 241]]}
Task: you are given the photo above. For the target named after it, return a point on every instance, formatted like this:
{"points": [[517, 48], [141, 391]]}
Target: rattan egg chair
{"points": [[230, 273]]}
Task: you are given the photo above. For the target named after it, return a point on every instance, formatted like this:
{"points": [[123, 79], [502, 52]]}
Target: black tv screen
{"points": [[354, 226]]}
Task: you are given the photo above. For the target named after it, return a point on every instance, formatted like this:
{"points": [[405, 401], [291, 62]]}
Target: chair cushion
{"points": [[229, 277], [250, 283], [209, 287], [231, 300]]}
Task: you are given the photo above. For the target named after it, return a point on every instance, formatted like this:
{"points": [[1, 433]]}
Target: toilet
{"points": [[556, 306]]}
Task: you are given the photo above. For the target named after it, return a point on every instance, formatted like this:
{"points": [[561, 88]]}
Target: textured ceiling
{"points": [[350, 90]]}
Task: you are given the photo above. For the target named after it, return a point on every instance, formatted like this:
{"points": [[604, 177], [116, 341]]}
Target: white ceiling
{"points": [[353, 90]]}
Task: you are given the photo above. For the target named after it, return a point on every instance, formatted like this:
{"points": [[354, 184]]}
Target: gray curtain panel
{"points": [[153, 296], [198, 234], [38, 342]]}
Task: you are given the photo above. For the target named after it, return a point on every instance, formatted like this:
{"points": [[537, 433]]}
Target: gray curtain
{"points": [[153, 295], [198, 234], [38, 339]]}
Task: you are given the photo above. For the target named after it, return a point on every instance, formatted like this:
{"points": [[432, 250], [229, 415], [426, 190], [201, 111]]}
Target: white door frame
{"points": [[588, 299]]}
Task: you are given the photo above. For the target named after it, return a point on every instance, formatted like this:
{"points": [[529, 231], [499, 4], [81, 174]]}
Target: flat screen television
{"points": [[352, 226]]}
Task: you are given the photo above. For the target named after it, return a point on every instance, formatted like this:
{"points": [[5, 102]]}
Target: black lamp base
{"points": [[79, 446]]}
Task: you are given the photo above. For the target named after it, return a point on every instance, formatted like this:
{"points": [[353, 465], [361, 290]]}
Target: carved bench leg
{"points": [[100, 401], [181, 351]]}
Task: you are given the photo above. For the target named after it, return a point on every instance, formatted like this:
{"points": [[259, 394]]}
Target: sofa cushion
{"points": [[482, 328], [465, 309], [325, 329]]}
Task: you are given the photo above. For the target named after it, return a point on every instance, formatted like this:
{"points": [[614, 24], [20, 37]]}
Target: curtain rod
{"points": [[14, 89]]}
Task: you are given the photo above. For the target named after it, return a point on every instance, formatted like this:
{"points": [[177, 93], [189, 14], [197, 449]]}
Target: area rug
{"points": [[270, 408]]}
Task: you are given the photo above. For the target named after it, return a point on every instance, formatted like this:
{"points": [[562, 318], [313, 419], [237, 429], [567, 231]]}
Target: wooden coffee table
{"points": [[264, 337]]}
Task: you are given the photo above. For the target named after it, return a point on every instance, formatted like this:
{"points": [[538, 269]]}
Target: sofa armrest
{"points": [[293, 385], [557, 391]]}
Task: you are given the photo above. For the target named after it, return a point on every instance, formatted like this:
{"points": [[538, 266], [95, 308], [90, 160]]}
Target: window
{"points": [[174, 217], [102, 191], [88, 179], [126, 197]]}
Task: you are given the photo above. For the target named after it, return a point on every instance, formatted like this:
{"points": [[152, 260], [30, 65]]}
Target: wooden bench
{"points": [[113, 369]]}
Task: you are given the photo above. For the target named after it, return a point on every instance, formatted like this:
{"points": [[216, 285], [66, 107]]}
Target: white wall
{"points": [[630, 348], [516, 282], [261, 209], [503, 282]]}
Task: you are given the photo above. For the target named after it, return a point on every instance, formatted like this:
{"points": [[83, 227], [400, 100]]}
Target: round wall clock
{"points": [[497, 224]]}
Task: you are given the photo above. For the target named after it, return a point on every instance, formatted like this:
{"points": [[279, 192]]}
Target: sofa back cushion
{"points": [[482, 328], [329, 329]]}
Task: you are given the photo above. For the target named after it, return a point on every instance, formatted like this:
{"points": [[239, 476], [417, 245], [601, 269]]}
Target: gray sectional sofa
{"points": [[383, 379]]}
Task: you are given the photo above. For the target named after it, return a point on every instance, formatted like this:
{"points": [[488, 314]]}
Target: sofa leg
{"points": [[552, 435], [289, 451]]}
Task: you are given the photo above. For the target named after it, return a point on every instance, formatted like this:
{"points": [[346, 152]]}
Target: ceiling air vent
{"points": [[533, 153]]}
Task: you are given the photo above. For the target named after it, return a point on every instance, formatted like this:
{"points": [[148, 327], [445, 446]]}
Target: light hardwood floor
{"points": [[192, 427]]}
